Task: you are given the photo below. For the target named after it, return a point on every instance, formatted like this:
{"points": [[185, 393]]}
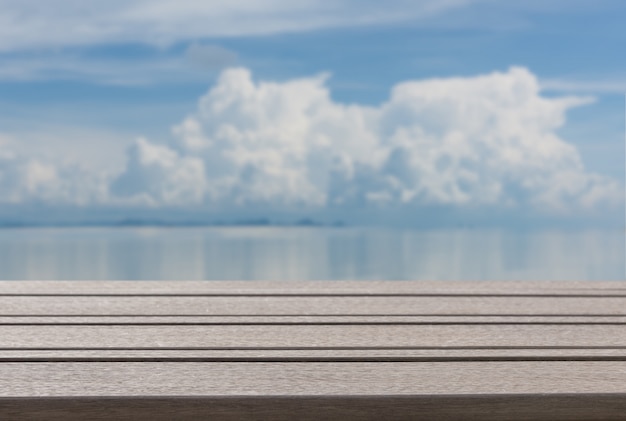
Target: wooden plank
{"points": [[590, 407], [102, 306], [325, 350], [311, 287], [311, 336], [303, 320], [311, 379], [315, 355]]}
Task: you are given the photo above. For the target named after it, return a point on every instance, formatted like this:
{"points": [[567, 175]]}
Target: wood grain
{"points": [[311, 336], [306, 320], [315, 355], [311, 287], [312, 350], [311, 379], [246, 305]]}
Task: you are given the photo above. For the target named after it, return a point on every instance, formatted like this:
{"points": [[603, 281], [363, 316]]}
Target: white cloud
{"points": [[26, 24], [68, 167], [473, 144], [157, 175], [93, 149], [462, 142], [30, 181], [37, 24]]}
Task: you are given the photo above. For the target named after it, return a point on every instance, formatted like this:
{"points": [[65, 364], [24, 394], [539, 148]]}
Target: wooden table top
{"points": [[152, 350]]}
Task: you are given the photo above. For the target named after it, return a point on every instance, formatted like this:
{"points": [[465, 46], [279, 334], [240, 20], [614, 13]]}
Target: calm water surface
{"points": [[278, 253]]}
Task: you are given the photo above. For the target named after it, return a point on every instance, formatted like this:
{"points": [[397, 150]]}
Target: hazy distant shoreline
{"points": [[308, 223], [262, 222]]}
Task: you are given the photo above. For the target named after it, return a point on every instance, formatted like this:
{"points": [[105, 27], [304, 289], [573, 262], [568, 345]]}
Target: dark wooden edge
{"points": [[441, 407]]}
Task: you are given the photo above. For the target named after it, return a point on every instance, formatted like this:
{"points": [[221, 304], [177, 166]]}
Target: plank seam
{"points": [[321, 348], [317, 295], [317, 324], [310, 359], [328, 315]]}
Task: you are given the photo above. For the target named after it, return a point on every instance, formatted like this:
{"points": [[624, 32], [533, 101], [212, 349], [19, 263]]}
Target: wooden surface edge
{"points": [[297, 287], [450, 407]]}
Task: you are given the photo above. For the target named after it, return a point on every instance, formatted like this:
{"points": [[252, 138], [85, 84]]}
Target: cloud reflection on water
{"points": [[273, 253]]}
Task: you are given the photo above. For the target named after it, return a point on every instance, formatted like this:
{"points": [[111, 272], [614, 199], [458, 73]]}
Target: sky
{"points": [[421, 112]]}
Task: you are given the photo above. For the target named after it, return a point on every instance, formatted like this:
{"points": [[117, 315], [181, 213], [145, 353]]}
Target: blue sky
{"points": [[110, 111]]}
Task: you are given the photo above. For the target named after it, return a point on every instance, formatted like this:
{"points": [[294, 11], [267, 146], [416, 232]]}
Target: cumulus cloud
{"points": [[487, 143], [27, 181], [157, 175]]}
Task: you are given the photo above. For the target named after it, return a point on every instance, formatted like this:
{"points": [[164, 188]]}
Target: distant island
{"points": [[139, 222]]}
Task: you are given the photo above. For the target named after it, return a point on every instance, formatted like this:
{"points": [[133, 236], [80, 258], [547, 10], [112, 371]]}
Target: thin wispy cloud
{"points": [[32, 24], [194, 64]]}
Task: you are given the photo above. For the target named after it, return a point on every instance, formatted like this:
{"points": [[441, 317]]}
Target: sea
{"points": [[309, 253]]}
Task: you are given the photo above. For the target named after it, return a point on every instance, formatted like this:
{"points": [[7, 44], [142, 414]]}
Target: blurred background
{"points": [[271, 139]]}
